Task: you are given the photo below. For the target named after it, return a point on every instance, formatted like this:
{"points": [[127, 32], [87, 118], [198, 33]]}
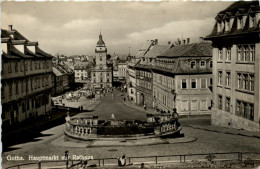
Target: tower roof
{"points": [[100, 41]]}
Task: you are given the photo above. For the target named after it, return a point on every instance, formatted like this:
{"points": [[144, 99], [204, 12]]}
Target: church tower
{"points": [[101, 74]]}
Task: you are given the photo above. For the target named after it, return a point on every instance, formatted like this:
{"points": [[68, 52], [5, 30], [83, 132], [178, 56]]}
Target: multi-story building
{"points": [[144, 74], [63, 78], [236, 66], [101, 74], [81, 70], [181, 77], [131, 72], [26, 79], [122, 67]]}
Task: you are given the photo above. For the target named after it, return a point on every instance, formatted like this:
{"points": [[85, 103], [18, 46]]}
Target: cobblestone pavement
{"points": [[207, 141]]}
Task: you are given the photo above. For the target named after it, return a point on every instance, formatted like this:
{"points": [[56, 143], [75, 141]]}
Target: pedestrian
{"points": [[124, 99], [144, 107], [122, 161]]}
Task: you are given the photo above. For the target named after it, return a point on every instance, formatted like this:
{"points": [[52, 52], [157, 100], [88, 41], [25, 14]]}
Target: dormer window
{"points": [[220, 26], [203, 64], [252, 21], [192, 64], [227, 25]]}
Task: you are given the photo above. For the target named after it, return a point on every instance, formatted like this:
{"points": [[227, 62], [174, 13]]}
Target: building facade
{"points": [[26, 79], [122, 67], [63, 78], [81, 70], [236, 62], [181, 77], [101, 74]]}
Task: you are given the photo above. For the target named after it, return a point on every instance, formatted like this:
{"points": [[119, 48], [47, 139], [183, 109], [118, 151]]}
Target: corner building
{"points": [[235, 38], [101, 74], [26, 79]]}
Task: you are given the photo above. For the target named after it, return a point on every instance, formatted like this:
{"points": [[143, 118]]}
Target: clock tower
{"points": [[101, 74]]}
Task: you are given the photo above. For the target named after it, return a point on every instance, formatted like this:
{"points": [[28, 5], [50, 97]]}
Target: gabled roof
{"points": [[189, 50]]}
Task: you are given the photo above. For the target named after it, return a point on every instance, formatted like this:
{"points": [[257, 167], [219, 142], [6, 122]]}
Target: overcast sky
{"points": [[73, 27]]}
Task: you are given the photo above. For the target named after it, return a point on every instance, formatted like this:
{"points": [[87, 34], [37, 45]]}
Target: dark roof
{"points": [[20, 39], [156, 50], [189, 50], [235, 10], [100, 41]]}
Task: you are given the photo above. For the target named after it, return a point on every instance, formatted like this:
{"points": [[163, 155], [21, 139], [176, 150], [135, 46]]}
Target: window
{"points": [[228, 78], [251, 82], [245, 82], [203, 84], [26, 65], [16, 67], [220, 102], [211, 81], [245, 109], [202, 64], [220, 54], [253, 21], [246, 54], [219, 77], [252, 52], [227, 104], [240, 23], [9, 67], [193, 64], [16, 88], [239, 81], [193, 83], [228, 54], [239, 53], [94, 74], [210, 64], [184, 84], [10, 89]]}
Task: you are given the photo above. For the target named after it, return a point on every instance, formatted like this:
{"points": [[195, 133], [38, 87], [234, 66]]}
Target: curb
{"points": [[225, 132]]}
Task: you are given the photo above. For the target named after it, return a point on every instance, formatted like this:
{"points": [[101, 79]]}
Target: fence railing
{"points": [[180, 158]]}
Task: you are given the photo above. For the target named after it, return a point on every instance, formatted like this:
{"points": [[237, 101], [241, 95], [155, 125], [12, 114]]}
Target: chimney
{"points": [[188, 40], [179, 41], [201, 39], [169, 42], [184, 41], [10, 27], [156, 41]]}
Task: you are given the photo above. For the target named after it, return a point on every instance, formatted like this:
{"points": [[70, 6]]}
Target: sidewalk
{"points": [[225, 130]]}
